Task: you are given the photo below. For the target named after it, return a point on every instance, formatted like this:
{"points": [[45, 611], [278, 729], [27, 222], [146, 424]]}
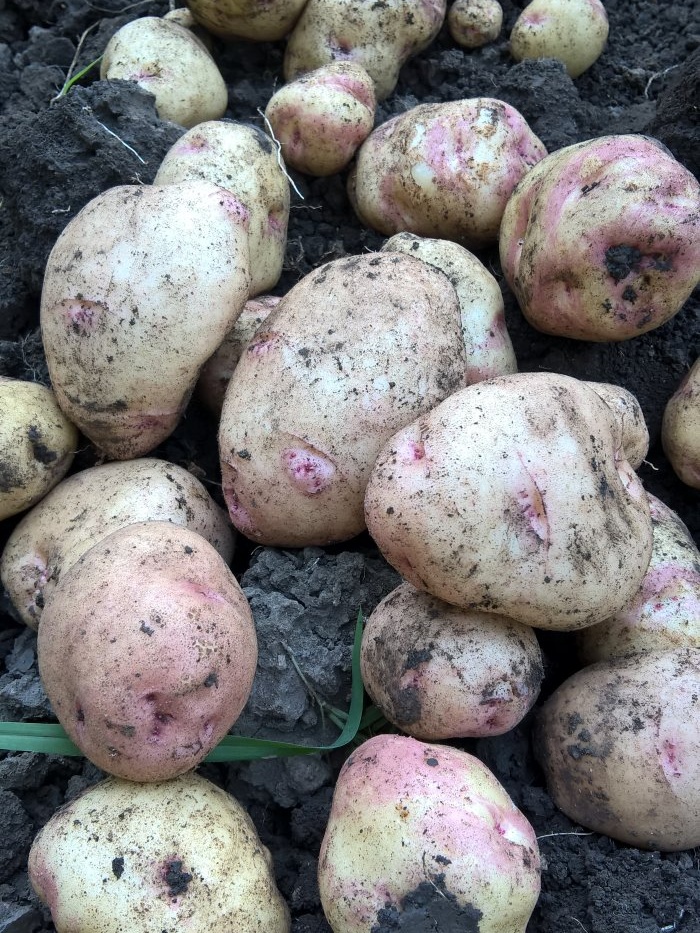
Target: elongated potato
{"points": [[122, 307], [680, 431], [87, 507]]}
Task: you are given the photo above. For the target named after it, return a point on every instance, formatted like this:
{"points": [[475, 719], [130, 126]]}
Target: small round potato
{"points": [[258, 21], [37, 444], [87, 507], [600, 241], [423, 837], [443, 170], [680, 431], [574, 31], [322, 117], [147, 651], [620, 748], [473, 23], [150, 858], [169, 61], [438, 672]]}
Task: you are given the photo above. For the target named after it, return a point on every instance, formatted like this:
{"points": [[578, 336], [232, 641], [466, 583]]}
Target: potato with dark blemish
{"points": [[601, 240], [620, 748], [680, 431], [513, 496], [424, 837], [145, 858], [37, 444], [147, 651]]}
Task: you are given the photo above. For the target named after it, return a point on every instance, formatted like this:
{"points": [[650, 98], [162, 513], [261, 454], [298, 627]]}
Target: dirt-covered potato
{"points": [[322, 116], [216, 372], [122, 307], [379, 36], [573, 31], [424, 837], [620, 748], [438, 672], [170, 62], [665, 611], [247, 19], [356, 349], [486, 338], [150, 858], [473, 23], [147, 651], [601, 240], [443, 170], [37, 444], [242, 159], [680, 430], [513, 496], [628, 411], [87, 507]]}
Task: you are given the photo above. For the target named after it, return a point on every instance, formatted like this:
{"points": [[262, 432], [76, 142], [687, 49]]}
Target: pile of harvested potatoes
{"points": [[380, 393]]}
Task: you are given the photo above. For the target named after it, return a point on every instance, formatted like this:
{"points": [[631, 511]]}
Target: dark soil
{"points": [[56, 155]]}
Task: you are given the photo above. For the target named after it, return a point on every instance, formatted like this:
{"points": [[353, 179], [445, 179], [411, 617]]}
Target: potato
{"points": [[356, 349], [438, 672], [628, 411], [147, 651], [170, 62], [665, 612], [443, 170], [87, 507], [680, 430], [600, 240], [620, 748], [473, 23], [379, 36], [573, 31], [242, 159], [121, 307], [512, 496], [152, 858], [322, 117], [486, 338], [37, 444], [247, 19], [216, 372], [183, 17], [424, 837]]}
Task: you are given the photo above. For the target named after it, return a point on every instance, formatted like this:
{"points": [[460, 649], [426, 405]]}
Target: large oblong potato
{"points": [[620, 748], [87, 507], [680, 430], [125, 288], [149, 858], [513, 496], [356, 349], [147, 651], [37, 444]]}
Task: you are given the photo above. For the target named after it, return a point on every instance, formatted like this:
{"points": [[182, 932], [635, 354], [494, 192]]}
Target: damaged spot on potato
{"points": [[176, 878], [118, 867], [310, 470], [40, 451]]}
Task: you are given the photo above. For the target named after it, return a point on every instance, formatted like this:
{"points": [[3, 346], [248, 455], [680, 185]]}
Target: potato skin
{"points": [[438, 672], [621, 724], [473, 23], [125, 857], [429, 828], [123, 347], [37, 444], [680, 430], [87, 507], [534, 515], [628, 411], [600, 240], [247, 19], [573, 31], [357, 348], [147, 651], [443, 170]]}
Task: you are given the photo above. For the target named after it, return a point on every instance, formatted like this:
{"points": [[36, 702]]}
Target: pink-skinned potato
{"points": [[439, 672], [601, 240], [91, 504], [443, 170], [619, 745], [358, 348], [122, 307], [147, 651], [680, 429], [425, 830], [513, 496]]}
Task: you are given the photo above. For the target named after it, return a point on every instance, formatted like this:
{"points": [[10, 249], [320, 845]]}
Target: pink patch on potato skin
{"points": [[196, 589], [276, 225], [43, 879], [239, 515], [192, 146], [412, 451], [671, 763], [347, 84], [310, 471], [81, 315], [264, 344]]}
